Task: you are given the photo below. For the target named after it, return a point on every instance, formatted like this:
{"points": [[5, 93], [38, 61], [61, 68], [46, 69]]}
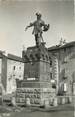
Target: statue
{"points": [[39, 26]]}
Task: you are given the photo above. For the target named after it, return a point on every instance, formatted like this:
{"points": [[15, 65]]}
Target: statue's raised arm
{"points": [[39, 27], [30, 25]]}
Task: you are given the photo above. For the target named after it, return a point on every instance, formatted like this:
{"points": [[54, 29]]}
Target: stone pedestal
{"points": [[37, 75]]}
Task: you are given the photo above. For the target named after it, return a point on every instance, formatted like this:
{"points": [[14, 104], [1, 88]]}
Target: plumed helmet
{"points": [[38, 14]]}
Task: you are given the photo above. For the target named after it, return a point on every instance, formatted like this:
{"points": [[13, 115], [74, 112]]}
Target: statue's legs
{"points": [[37, 39], [41, 38]]}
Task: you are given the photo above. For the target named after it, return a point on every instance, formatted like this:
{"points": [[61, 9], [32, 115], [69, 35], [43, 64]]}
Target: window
{"points": [[19, 76], [14, 67], [51, 75], [50, 62], [19, 67], [14, 75]]}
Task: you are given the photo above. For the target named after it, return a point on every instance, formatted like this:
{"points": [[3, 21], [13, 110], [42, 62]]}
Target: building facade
{"points": [[63, 67], [15, 70], [11, 68]]}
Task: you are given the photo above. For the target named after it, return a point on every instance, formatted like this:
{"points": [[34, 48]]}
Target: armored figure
{"points": [[39, 26]]}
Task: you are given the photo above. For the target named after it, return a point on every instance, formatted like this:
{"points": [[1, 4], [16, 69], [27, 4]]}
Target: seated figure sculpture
{"points": [[39, 26]]}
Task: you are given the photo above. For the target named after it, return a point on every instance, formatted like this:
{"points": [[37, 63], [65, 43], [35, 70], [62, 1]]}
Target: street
{"points": [[43, 114], [62, 111]]}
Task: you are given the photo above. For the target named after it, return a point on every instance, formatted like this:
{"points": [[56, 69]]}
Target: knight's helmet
{"points": [[38, 14]]}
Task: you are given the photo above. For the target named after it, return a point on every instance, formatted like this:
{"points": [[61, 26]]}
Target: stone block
{"points": [[27, 101], [13, 101], [63, 100], [55, 103], [1, 100], [47, 104], [42, 103], [59, 100], [70, 99]]}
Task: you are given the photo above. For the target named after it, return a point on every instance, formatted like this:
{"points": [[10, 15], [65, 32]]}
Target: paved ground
{"points": [[44, 114], [61, 111]]}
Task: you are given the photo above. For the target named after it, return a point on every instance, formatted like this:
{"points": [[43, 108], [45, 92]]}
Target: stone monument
{"points": [[36, 84]]}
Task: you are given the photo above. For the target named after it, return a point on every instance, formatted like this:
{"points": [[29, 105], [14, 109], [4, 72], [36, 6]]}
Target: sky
{"points": [[15, 15]]}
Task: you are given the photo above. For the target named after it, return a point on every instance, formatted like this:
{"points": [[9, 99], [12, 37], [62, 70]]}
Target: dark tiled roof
{"points": [[31, 47], [57, 47], [14, 57], [53, 48], [1, 54], [2, 51]]}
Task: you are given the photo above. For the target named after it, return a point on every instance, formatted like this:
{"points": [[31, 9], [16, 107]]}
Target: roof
{"points": [[2, 53], [57, 47], [15, 58], [31, 47]]}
